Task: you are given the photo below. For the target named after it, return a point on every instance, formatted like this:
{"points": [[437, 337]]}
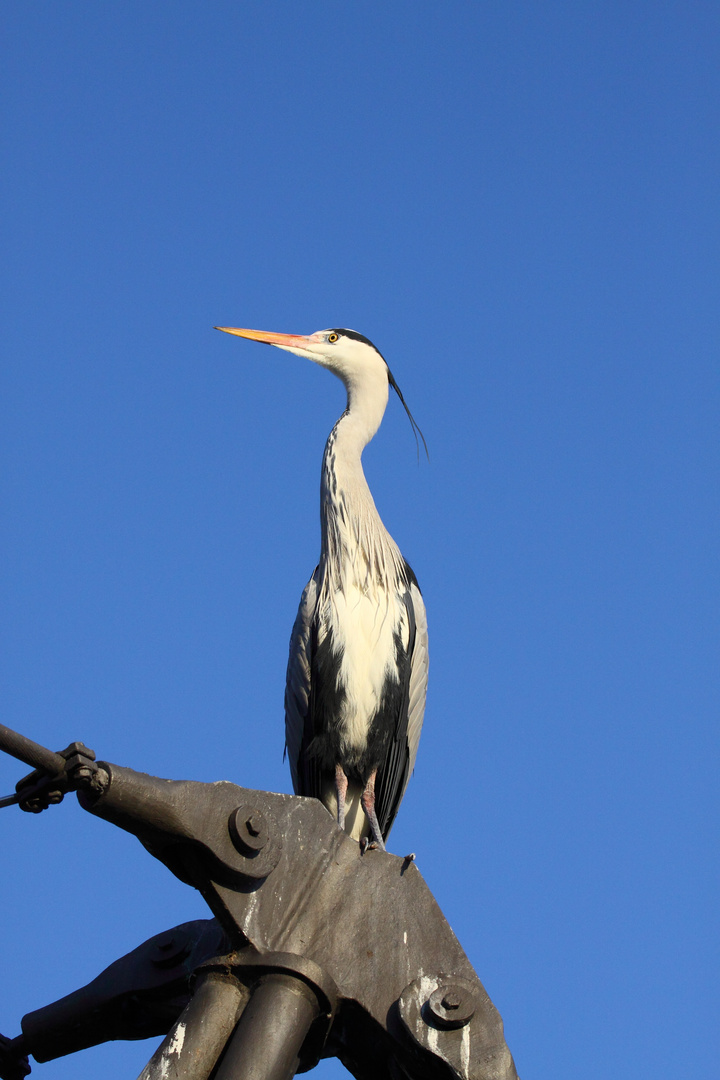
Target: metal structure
{"points": [[315, 950]]}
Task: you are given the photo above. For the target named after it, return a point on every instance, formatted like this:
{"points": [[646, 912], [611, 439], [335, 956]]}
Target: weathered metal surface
{"points": [[268, 1040], [466, 1043], [329, 950], [368, 921], [29, 752], [196, 1040]]}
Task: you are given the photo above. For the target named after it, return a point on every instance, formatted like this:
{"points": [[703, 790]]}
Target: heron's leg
{"points": [[368, 805], [341, 786]]}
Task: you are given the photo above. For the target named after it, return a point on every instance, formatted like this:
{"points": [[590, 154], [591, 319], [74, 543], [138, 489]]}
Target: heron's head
{"points": [[346, 353], [349, 355]]}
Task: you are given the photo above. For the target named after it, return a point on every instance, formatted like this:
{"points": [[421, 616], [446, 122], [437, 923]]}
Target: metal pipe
{"points": [[196, 1040], [271, 1031], [24, 749]]}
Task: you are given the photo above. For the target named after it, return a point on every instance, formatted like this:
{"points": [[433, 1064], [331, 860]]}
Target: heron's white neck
{"points": [[356, 547]]}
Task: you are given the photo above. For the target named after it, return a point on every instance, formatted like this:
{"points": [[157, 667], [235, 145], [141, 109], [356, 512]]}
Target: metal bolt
{"points": [[253, 825], [248, 830], [169, 950], [452, 1005]]}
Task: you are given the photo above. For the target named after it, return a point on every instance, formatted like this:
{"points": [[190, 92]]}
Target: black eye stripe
{"points": [[354, 336]]}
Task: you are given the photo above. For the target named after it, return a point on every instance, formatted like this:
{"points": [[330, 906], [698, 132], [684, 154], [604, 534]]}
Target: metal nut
{"points": [[253, 825], [168, 950], [248, 830], [452, 1005]]}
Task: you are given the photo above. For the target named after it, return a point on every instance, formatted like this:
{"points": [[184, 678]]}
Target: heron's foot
{"points": [[368, 805], [370, 845]]}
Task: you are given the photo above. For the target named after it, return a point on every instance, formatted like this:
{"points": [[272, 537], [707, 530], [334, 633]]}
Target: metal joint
{"points": [[438, 1012], [321, 951], [256, 837], [252, 969]]}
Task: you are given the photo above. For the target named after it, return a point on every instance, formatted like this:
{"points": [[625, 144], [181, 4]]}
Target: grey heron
{"points": [[358, 665]]}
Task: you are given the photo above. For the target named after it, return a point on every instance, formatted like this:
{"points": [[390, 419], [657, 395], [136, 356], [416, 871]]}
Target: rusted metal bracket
{"points": [[316, 950]]}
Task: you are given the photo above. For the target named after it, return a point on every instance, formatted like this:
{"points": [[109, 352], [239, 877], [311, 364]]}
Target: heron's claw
{"points": [[370, 845]]}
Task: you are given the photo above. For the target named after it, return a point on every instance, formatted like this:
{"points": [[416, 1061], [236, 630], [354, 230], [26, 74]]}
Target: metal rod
{"points": [[18, 746], [195, 1042], [271, 1031]]}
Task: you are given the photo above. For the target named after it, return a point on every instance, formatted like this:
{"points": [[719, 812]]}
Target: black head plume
{"points": [[415, 426], [416, 429]]}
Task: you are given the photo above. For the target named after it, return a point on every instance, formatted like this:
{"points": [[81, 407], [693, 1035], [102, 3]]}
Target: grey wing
{"points": [[298, 684], [417, 690], [396, 770]]}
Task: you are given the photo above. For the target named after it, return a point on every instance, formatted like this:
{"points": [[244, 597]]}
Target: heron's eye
{"points": [[332, 338]]}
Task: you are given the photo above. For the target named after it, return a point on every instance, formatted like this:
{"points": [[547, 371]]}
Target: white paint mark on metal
{"points": [[428, 986], [465, 1052], [160, 1069], [176, 1043]]}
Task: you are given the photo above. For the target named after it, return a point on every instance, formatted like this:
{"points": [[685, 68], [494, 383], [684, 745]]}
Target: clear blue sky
{"points": [[518, 203]]}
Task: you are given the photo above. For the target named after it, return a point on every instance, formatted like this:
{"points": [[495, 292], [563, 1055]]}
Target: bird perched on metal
{"points": [[357, 672]]}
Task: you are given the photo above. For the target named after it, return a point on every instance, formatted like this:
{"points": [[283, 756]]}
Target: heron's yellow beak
{"points": [[291, 341]]}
